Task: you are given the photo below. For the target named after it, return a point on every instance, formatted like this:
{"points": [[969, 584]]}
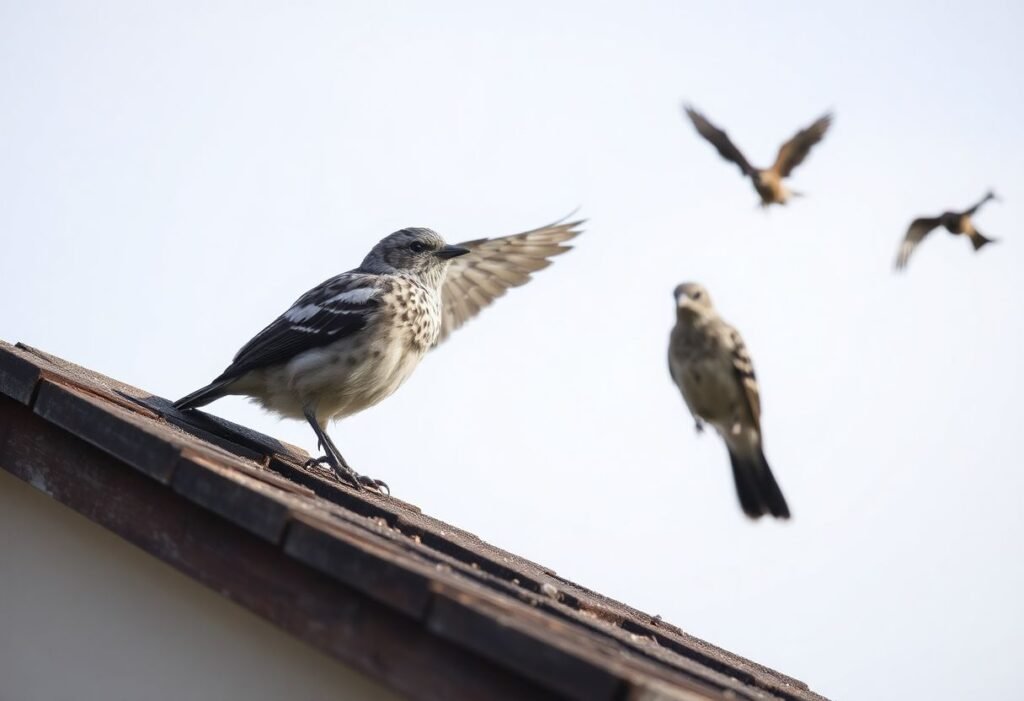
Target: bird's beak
{"points": [[684, 303], [449, 252]]}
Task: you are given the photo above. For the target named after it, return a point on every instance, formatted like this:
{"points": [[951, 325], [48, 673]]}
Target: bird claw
{"points": [[317, 462], [375, 484], [699, 426], [347, 474]]}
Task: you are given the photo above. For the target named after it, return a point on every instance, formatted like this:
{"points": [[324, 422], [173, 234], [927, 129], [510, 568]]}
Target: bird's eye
{"points": [[417, 247], [697, 294]]}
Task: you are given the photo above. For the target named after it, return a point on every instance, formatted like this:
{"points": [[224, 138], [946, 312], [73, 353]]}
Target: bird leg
{"points": [[336, 461], [364, 480]]}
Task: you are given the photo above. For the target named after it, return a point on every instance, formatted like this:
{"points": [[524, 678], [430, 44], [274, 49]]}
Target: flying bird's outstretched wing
{"points": [[793, 152], [988, 196], [919, 228], [720, 140], [493, 265]]}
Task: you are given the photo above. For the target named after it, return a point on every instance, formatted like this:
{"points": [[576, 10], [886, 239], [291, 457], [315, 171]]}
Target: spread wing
{"points": [[919, 228], [494, 265], [988, 196], [720, 140], [327, 313], [743, 366], [793, 152]]}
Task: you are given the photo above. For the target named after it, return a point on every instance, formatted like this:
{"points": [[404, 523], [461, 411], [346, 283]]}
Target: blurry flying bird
{"points": [[767, 181], [351, 341], [954, 222], [710, 364]]}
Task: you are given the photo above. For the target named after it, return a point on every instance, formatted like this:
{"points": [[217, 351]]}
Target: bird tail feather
{"points": [[978, 240], [758, 491], [203, 396]]}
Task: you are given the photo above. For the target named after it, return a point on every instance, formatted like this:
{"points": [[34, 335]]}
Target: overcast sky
{"points": [[174, 176]]}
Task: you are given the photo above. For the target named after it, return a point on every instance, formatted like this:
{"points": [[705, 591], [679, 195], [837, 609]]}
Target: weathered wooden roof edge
{"points": [[367, 578]]}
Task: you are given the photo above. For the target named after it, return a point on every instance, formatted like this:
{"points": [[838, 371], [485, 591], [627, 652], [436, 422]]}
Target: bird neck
{"points": [[690, 316], [428, 283], [430, 279]]}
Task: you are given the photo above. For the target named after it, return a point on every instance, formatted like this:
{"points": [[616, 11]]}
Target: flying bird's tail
{"points": [[203, 396], [977, 240], [758, 491]]}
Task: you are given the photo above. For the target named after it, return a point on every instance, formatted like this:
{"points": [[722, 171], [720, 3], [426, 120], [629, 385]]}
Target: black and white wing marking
{"points": [[743, 367], [339, 307], [493, 265]]}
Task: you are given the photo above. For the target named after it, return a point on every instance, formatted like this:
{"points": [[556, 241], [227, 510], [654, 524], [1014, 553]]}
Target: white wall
{"points": [[86, 616]]}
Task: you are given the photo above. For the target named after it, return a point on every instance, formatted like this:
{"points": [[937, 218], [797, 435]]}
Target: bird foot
{"points": [[347, 474], [699, 426], [375, 484]]}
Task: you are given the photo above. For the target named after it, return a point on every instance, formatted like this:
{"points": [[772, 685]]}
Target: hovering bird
{"points": [[709, 363], [767, 181], [351, 341], [954, 222]]}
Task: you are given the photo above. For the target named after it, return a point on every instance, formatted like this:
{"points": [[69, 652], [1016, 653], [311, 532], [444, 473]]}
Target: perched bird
{"points": [[351, 341], [711, 367], [954, 222], [767, 181]]}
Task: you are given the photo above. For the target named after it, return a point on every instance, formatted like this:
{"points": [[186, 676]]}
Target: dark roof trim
{"points": [[442, 614]]}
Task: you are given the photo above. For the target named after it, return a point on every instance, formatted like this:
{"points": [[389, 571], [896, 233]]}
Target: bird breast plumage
{"points": [[965, 225], [359, 371], [769, 186], [711, 387], [705, 375]]}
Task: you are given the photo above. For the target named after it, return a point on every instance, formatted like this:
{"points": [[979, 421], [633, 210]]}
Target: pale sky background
{"points": [[173, 176]]}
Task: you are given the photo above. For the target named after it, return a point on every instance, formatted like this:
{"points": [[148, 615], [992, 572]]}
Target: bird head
{"points": [[692, 298], [414, 252]]}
